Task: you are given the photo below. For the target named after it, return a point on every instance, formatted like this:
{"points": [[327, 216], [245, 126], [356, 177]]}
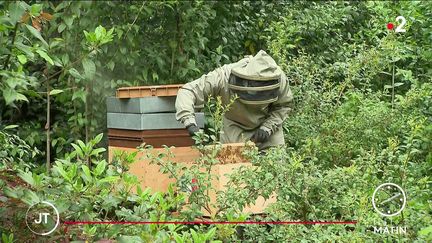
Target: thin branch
{"points": [[65, 68], [47, 128]]}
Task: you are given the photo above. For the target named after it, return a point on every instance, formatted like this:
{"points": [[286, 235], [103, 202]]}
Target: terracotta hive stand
{"points": [[150, 176]]}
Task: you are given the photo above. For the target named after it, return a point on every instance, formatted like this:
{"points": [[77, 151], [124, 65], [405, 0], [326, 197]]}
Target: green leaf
{"points": [[100, 168], [9, 95], [32, 93], [82, 144], [62, 172], [78, 150], [45, 56], [10, 127], [36, 9], [210, 233], [68, 21], [61, 27], [426, 231], [111, 65], [87, 173], [21, 97], [107, 37], [109, 179], [89, 68], [155, 76], [98, 151], [27, 177], [75, 73], [55, 91], [61, 6], [98, 138], [13, 193], [72, 171], [80, 94], [90, 37], [30, 197], [22, 59], [177, 238], [26, 49], [16, 10], [36, 34], [100, 32], [195, 236]]}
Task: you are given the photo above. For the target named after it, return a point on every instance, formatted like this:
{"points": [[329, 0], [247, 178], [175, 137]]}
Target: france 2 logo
{"points": [[400, 27]]}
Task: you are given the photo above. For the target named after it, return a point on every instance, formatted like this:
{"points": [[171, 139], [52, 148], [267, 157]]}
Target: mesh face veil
{"points": [[254, 92], [256, 81]]}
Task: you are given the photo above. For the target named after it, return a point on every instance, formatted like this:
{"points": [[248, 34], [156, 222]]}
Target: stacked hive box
{"points": [[146, 114]]}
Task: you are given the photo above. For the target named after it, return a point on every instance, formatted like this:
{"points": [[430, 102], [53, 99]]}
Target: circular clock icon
{"points": [[389, 199]]}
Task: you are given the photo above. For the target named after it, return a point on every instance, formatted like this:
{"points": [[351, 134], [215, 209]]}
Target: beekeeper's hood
{"points": [[257, 81]]}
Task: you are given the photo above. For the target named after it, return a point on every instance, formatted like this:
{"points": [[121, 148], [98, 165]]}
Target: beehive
{"points": [[149, 175], [146, 91], [146, 114], [156, 138]]}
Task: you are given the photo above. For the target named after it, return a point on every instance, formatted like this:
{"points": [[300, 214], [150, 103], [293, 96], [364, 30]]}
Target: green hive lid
{"points": [[143, 105]]}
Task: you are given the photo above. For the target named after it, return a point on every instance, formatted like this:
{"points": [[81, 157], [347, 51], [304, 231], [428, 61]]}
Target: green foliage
{"points": [[214, 113], [14, 152], [7, 238], [362, 115], [49, 45], [100, 192]]}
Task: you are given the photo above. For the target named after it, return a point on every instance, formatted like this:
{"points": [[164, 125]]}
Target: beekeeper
{"points": [[262, 104]]}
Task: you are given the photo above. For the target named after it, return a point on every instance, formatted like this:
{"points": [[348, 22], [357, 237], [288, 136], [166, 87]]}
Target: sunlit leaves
{"points": [[22, 59], [55, 91], [10, 127], [35, 9], [45, 56], [86, 151], [99, 37], [11, 95], [100, 168]]}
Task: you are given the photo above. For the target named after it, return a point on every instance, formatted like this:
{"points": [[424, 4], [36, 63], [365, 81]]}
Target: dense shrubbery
{"points": [[153, 43], [362, 114]]}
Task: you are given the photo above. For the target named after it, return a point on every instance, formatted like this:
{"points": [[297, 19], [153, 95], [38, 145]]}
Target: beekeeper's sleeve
{"points": [[196, 93], [280, 109]]}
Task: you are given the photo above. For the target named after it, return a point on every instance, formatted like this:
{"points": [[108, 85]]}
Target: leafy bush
{"points": [[362, 115], [14, 152], [101, 192]]}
